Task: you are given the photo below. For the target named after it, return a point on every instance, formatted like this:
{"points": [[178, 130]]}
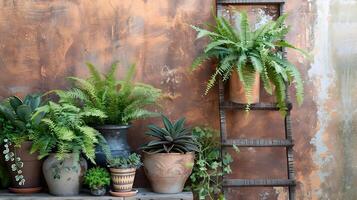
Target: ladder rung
{"points": [[258, 143], [257, 182], [249, 1], [256, 106]]}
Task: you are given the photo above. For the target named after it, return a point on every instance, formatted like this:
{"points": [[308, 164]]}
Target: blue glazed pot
{"points": [[116, 137]]}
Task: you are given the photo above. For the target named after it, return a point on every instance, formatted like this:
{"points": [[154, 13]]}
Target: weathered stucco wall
{"points": [[42, 42]]}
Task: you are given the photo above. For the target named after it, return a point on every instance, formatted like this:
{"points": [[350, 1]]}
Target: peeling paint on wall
{"points": [[322, 75]]}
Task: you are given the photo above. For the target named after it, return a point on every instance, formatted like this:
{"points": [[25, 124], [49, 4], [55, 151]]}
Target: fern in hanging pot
{"points": [[249, 55]]}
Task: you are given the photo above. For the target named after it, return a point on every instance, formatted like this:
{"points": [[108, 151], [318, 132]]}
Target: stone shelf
{"points": [[143, 194]]}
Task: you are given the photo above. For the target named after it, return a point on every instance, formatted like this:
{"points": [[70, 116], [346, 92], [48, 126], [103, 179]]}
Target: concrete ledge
{"points": [[143, 194]]}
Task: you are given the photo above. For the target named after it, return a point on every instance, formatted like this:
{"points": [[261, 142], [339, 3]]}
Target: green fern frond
{"points": [[94, 74], [245, 33]]}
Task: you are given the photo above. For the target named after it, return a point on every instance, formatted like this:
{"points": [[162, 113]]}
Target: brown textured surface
{"points": [[42, 42]]}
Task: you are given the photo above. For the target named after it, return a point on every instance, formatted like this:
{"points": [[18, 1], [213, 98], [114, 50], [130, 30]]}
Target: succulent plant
{"points": [[19, 113], [18, 123], [131, 161], [173, 138]]}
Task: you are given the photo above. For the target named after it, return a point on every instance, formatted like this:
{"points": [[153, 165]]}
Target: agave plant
{"points": [[249, 52], [64, 131], [173, 138], [122, 101]]}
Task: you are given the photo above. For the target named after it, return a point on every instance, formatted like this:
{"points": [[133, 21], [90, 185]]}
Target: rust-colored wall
{"points": [[42, 42]]}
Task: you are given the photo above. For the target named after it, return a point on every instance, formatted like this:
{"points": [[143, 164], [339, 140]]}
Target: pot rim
{"points": [[191, 152], [123, 169], [112, 126]]}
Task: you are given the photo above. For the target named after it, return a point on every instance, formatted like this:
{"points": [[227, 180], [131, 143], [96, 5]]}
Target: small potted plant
{"points": [[97, 180], [122, 101], [18, 130], [168, 160], [122, 170], [63, 139], [244, 55]]}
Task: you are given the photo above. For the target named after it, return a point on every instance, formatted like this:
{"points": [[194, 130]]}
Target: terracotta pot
{"points": [[168, 172], [64, 177], [116, 137], [31, 169], [236, 90], [123, 179]]}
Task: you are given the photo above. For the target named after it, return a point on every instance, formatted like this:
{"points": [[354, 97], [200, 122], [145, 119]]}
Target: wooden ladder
{"points": [[285, 143]]}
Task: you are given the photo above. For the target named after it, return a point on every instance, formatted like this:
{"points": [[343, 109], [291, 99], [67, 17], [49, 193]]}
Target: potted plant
{"points": [[97, 180], [168, 160], [122, 101], [18, 129], [210, 165], [249, 54], [64, 137], [122, 170]]}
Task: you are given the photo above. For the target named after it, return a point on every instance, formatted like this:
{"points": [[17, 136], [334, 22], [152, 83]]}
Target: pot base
{"points": [[25, 190], [131, 193]]}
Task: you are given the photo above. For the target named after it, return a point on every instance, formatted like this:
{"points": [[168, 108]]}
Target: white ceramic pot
{"points": [[64, 177]]}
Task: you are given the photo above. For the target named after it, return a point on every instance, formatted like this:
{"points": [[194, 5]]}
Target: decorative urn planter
{"points": [[64, 177], [116, 137], [122, 179], [236, 89], [31, 170], [168, 172]]}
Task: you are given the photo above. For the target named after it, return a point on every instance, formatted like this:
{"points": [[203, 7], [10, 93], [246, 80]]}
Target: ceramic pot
{"points": [[236, 90], [31, 169], [122, 179], [100, 191], [168, 172], [116, 137], [64, 177]]}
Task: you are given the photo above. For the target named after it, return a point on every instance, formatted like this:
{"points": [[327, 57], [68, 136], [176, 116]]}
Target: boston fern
{"points": [[173, 138], [249, 52], [121, 101], [64, 131]]}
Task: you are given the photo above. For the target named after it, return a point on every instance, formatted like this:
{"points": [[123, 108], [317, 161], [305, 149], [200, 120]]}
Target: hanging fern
{"points": [[249, 52], [122, 101]]}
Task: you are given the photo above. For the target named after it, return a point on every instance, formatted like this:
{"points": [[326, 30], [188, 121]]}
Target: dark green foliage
{"points": [[173, 138], [97, 178], [17, 121], [4, 176], [206, 177], [122, 101], [249, 52], [64, 131], [132, 161]]}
